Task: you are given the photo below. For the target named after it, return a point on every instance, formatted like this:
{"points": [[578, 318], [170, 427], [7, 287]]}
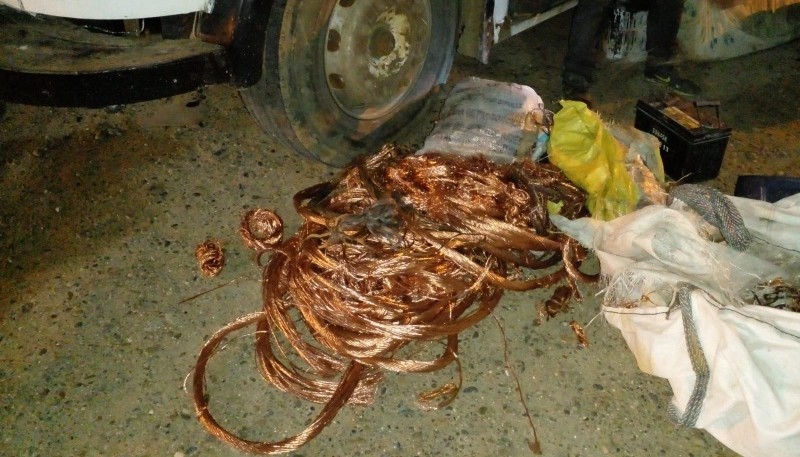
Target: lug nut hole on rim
{"points": [[336, 81], [334, 40]]}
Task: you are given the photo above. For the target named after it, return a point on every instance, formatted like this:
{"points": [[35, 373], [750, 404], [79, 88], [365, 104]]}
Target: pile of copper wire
{"points": [[400, 249]]}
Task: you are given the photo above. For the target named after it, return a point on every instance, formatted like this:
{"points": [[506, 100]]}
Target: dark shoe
{"points": [[669, 77], [576, 87]]}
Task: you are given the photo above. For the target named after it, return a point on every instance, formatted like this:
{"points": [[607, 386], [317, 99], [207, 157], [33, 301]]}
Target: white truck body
{"points": [[110, 9]]}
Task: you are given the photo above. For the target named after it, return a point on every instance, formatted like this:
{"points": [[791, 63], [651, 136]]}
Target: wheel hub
{"points": [[374, 53]]}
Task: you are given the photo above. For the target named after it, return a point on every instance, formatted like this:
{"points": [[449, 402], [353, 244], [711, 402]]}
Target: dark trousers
{"points": [[589, 21]]}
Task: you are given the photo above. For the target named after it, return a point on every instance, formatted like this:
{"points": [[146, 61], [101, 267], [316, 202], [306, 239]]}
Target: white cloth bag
{"points": [[749, 398]]}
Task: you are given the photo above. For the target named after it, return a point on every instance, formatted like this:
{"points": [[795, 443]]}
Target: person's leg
{"points": [[663, 21], [588, 19]]}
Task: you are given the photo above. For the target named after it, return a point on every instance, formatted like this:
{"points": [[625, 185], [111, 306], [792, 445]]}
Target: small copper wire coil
{"points": [[261, 229], [211, 257]]}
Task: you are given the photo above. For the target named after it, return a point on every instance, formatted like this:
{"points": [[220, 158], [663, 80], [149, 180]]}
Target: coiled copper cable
{"points": [[261, 229], [400, 249]]}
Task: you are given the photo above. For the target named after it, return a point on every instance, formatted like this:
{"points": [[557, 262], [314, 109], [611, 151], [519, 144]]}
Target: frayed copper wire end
{"points": [[261, 229], [211, 257]]}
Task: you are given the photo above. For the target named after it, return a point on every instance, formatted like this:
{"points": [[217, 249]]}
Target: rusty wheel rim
{"points": [[375, 51]]}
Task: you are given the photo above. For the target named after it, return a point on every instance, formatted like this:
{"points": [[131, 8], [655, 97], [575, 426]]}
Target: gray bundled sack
{"points": [[501, 121]]}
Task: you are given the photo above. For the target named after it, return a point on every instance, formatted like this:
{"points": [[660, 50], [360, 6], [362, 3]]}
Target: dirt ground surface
{"points": [[100, 212]]}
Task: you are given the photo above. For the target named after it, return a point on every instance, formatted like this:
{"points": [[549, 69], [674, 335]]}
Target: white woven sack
{"points": [[749, 396], [707, 32], [710, 33]]}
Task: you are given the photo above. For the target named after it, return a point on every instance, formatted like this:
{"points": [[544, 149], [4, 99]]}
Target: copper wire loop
{"points": [[211, 257], [401, 250], [261, 229]]}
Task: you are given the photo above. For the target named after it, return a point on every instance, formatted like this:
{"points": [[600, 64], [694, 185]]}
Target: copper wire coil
{"points": [[400, 250], [211, 257], [261, 229]]}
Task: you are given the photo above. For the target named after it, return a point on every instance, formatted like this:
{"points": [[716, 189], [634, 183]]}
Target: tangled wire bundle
{"points": [[400, 249]]}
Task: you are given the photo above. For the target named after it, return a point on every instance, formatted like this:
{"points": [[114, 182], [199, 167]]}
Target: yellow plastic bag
{"points": [[586, 151]]}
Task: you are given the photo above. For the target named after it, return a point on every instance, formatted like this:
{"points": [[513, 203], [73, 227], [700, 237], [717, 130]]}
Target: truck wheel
{"points": [[342, 77]]}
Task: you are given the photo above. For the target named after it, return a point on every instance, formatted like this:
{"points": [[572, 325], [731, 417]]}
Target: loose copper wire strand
{"points": [[400, 250], [338, 398], [535, 445], [580, 334]]}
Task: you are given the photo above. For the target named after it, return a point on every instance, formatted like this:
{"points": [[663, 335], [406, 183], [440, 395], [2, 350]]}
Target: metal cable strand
{"points": [[698, 359], [717, 210]]}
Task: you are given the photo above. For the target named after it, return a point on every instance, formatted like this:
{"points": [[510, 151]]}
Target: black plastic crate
{"points": [[692, 141]]}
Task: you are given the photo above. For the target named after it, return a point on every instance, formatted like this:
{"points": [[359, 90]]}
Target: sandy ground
{"points": [[100, 211]]}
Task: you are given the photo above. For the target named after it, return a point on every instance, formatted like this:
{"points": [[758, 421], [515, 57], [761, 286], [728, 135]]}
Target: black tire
{"points": [[342, 77]]}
